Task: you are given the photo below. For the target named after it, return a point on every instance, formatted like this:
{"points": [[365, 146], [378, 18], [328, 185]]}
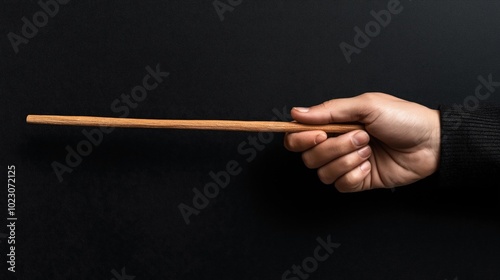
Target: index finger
{"points": [[303, 141]]}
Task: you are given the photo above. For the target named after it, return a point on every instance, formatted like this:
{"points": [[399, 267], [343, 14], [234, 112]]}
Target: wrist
{"points": [[435, 139]]}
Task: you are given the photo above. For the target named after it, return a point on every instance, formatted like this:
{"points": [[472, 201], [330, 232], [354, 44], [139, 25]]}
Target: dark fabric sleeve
{"points": [[470, 145]]}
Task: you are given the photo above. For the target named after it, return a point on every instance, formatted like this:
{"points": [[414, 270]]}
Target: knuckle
{"points": [[327, 103], [350, 161], [371, 94], [351, 180], [324, 177], [289, 143], [341, 188], [343, 144], [308, 161], [370, 97]]}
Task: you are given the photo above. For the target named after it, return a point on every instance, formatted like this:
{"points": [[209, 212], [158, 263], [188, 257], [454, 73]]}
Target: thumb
{"points": [[353, 109]]}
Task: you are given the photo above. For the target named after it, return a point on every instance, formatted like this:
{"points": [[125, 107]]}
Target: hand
{"points": [[400, 144]]}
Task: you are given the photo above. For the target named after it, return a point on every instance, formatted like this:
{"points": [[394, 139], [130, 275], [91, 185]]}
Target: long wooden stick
{"points": [[233, 125]]}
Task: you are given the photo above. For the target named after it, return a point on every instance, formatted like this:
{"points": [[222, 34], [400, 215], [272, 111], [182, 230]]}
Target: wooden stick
{"points": [[233, 125]]}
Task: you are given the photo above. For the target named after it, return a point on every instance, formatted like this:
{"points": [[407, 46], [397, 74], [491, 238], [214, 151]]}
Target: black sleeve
{"points": [[470, 145]]}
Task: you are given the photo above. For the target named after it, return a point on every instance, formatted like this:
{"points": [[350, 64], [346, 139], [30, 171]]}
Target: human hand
{"points": [[400, 144]]}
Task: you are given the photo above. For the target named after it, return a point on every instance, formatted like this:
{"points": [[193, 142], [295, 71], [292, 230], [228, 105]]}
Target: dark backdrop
{"points": [[116, 215]]}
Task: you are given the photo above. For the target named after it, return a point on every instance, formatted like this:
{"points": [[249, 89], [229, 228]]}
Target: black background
{"points": [[119, 207]]}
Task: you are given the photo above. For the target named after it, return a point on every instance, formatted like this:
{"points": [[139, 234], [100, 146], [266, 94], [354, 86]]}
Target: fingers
{"points": [[342, 160], [353, 109], [335, 147], [302, 141], [342, 166], [355, 180]]}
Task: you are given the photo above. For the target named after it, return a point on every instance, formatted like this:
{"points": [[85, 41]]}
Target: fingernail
{"points": [[364, 152], [365, 166], [301, 109], [361, 138], [319, 138]]}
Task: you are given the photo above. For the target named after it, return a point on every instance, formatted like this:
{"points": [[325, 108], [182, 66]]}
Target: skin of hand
{"points": [[399, 145]]}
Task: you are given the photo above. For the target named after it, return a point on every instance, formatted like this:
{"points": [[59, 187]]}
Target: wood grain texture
{"points": [[229, 125]]}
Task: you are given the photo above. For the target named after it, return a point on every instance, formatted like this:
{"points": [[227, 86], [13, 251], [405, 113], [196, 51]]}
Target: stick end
{"points": [[30, 119]]}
